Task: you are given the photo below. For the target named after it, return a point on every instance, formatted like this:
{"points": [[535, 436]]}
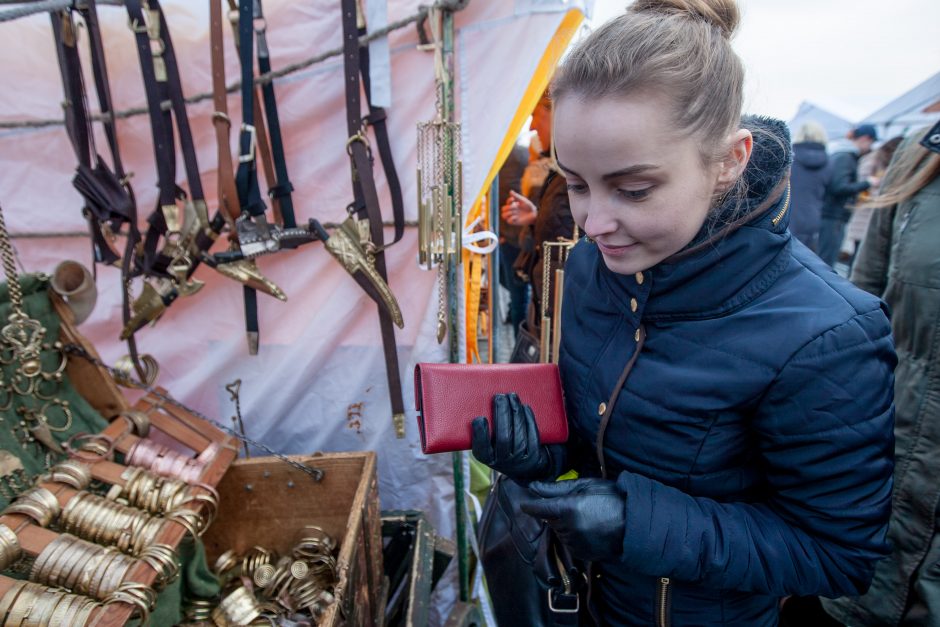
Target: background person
{"points": [[808, 178], [842, 189], [899, 260]]}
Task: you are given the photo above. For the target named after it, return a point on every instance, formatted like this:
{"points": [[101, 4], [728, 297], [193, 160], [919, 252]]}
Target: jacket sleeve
{"points": [[824, 430], [870, 270], [844, 179]]}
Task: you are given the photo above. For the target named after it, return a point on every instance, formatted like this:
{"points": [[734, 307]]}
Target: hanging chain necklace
{"points": [[439, 187], [21, 348]]}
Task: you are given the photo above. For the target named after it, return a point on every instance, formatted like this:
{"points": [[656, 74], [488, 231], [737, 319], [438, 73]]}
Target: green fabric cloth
{"points": [[196, 580], [37, 305]]}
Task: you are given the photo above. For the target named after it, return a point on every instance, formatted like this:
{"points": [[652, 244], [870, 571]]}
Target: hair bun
{"points": [[722, 14]]}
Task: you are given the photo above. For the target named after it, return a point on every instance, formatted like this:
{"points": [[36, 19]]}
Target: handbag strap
{"points": [[609, 410]]}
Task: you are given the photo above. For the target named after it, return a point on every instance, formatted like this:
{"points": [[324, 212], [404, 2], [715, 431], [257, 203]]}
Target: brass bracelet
{"points": [[23, 605], [10, 549], [8, 599]]}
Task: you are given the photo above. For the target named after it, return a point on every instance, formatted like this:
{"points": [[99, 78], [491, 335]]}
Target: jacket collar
{"points": [[736, 256]]}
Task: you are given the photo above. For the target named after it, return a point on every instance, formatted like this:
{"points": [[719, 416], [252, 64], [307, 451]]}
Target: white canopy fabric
{"points": [[836, 127], [910, 111], [318, 383]]}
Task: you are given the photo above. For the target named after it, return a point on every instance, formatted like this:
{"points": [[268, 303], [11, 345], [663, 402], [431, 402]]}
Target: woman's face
{"points": [[637, 187]]}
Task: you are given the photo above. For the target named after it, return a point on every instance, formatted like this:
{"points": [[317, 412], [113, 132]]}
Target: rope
{"points": [[74, 234], [262, 79]]}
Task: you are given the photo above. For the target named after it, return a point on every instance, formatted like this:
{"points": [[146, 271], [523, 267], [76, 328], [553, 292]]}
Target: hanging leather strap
{"points": [[162, 85], [107, 200], [612, 401], [366, 201], [228, 193], [377, 120], [120, 206], [279, 185]]}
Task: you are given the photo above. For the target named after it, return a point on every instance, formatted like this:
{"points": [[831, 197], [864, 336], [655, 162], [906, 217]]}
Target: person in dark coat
{"points": [[808, 179], [730, 398], [842, 189], [899, 260]]}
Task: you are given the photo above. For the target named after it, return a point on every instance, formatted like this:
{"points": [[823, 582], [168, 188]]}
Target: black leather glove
{"points": [[514, 448], [588, 515]]}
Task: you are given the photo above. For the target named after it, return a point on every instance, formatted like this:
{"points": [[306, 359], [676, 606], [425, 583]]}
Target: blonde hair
{"points": [[912, 168], [811, 132], [680, 48]]}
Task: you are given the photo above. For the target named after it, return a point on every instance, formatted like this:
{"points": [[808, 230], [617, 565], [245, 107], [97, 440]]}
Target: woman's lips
{"points": [[615, 251]]}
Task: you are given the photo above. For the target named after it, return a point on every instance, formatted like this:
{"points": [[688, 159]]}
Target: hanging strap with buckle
{"points": [[366, 202], [109, 199], [109, 202]]}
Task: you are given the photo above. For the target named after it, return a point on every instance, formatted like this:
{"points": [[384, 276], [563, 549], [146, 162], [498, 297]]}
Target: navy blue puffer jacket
{"points": [[753, 438]]}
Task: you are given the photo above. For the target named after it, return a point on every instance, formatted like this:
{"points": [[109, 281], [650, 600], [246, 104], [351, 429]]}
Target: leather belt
{"points": [[366, 202]]}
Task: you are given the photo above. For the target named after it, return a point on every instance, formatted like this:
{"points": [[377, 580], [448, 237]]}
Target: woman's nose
{"points": [[599, 221]]}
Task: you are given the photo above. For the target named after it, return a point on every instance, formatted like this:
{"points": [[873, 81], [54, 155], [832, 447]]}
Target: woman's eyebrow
{"points": [[629, 171]]}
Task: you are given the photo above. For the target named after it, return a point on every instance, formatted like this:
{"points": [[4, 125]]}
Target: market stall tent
{"points": [[318, 382], [912, 110]]}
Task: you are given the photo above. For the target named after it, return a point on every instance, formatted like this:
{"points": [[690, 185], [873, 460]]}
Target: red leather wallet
{"points": [[449, 396]]}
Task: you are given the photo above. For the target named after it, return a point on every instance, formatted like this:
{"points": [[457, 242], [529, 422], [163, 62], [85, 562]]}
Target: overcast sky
{"points": [[847, 56]]}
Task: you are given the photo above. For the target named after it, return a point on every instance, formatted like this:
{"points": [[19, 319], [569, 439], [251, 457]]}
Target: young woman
{"points": [[900, 261], [730, 397]]}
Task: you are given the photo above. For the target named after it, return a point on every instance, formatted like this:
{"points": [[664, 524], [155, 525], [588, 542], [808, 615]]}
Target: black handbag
{"points": [[528, 347], [528, 571]]}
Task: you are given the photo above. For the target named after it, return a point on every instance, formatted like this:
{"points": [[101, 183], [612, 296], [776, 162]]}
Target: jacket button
{"points": [[602, 409], [633, 304], [639, 278], [636, 336]]}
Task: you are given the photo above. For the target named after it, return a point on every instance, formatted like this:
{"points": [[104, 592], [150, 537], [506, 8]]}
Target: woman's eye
{"points": [[574, 188], [635, 194]]}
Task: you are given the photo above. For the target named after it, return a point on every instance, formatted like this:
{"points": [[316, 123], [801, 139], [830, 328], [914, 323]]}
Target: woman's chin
{"points": [[627, 260]]}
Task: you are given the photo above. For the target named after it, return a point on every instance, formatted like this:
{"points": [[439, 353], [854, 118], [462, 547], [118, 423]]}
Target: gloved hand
{"points": [[514, 448], [588, 515]]}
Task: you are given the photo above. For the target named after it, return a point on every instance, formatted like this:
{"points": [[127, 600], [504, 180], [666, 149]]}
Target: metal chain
{"points": [[315, 473], [9, 268]]}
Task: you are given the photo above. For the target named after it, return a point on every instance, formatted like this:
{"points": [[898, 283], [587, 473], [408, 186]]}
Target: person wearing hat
{"points": [[842, 189]]}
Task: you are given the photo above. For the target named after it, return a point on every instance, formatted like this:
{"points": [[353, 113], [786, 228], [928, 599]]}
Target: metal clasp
{"points": [[551, 604], [252, 143]]}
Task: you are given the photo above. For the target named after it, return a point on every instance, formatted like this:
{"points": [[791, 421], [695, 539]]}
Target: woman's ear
{"points": [[735, 160]]}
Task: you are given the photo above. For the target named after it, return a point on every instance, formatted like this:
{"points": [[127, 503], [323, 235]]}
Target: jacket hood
{"points": [[738, 252], [810, 155]]}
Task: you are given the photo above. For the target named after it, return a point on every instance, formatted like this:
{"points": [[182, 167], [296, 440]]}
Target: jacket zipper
{"points": [[786, 205], [663, 603]]}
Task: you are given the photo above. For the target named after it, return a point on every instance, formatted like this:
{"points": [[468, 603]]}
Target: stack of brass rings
{"points": [[33, 605], [162, 495], [238, 608], [304, 580], [10, 549], [137, 595], [82, 567], [101, 521], [71, 473], [198, 610], [89, 447], [39, 504], [161, 460]]}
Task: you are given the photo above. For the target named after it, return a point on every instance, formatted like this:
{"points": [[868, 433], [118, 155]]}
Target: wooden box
{"points": [[267, 502]]}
